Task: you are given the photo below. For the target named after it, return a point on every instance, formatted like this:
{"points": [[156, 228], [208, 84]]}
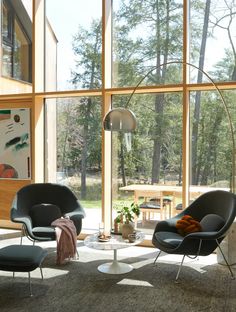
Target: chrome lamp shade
{"points": [[120, 119]]}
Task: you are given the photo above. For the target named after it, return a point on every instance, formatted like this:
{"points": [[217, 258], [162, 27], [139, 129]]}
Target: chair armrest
{"points": [[78, 213], [26, 220], [204, 235], [76, 216]]}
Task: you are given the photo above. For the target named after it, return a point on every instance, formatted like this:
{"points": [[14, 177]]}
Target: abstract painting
{"points": [[15, 143]]}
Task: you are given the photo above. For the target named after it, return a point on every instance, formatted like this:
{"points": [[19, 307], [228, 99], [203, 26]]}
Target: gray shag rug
{"points": [[78, 286]]}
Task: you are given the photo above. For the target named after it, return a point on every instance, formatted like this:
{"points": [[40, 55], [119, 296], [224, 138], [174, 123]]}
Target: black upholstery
{"points": [[44, 214], [21, 258], [215, 210], [212, 222], [37, 205]]}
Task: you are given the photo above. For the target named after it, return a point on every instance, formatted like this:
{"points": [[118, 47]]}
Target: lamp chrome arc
{"points": [[120, 119]]}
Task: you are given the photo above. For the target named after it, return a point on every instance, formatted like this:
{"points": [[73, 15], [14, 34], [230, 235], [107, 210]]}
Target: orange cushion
{"points": [[187, 225]]}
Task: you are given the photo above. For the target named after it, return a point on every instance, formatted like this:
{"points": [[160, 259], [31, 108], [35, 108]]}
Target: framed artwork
{"points": [[15, 143]]}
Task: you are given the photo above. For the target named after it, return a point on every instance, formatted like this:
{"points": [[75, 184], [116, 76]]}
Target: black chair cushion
{"points": [[44, 214], [169, 239], [46, 232], [21, 258], [212, 222]]}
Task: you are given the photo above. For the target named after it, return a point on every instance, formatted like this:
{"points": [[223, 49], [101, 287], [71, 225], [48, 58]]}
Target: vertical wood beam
{"points": [[37, 117], [106, 105], [38, 140], [38, 48], [186, 115]]}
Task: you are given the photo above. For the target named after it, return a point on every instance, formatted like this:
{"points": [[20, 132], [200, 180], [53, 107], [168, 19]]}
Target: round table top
{"points": [[115, 242]]}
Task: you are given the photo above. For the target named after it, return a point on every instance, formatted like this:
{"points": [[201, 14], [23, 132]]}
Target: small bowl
{"points": [[132, 238]]}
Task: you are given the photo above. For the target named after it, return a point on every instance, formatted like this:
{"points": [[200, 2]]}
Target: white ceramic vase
{"points": [[127, 228]]}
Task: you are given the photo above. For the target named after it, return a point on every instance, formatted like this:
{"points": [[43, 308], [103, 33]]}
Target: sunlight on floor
{"points": [[52, 273], [197, 264], [47, 274], [127, 281]]}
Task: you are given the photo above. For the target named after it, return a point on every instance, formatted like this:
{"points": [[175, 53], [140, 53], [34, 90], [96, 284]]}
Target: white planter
{"points": [[127, 228], [228, 246]]}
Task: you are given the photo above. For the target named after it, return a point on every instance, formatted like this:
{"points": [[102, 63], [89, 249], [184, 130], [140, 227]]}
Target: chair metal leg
{"points": [[30, 288], [180, 267], [25, 233], [41, 271], [231, 272], [157, 257], [22, 234], [13, 274], [77, 253]]}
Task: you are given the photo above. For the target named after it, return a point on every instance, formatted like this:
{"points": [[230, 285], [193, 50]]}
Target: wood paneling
{"points": [[8, 189], [12, 86]]}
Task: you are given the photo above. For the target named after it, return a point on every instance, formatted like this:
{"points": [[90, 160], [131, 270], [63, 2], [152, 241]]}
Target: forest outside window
{"points": [[150, 34], [16, 44], [73, 150], [212, 39]]}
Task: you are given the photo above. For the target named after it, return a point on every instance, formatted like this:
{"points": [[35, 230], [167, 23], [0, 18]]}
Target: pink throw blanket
{"points": [[66, 237]]}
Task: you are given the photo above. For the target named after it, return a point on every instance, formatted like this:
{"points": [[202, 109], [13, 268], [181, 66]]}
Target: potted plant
{"points": [[126, 215], [118, 221]]}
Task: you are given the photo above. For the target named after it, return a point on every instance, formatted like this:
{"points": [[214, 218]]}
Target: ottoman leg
{"points": [[22, 258], [30, 288]]}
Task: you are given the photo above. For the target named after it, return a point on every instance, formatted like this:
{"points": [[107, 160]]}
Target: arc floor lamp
{"points": [[124, 120]]}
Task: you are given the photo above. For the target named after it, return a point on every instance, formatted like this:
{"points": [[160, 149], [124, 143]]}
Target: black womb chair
{"points": [[215, 210], [37, 205]]}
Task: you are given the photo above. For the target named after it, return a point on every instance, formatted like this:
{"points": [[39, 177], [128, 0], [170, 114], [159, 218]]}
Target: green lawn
{"points": [[98, 203]]}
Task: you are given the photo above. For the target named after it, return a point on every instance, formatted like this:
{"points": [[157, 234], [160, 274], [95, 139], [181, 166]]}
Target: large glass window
{"points": [[149, 158], [211, 140], [77, 27], [230, 100], [73, 150], [213, 38], [16, 43], [145, 34], [21, 55]]}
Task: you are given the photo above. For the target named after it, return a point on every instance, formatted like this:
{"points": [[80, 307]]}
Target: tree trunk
{"points": [[156, 159], [233, 78], [211, 150], [196, 117], [159, 99], [84, 160], [180, 168], [86, 125], [64, 151], [122, 160]]}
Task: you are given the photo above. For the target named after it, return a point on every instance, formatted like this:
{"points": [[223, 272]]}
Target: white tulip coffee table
{"points": [[115, 242]]}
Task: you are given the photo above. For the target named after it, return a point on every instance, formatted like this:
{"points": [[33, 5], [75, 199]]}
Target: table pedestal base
{"points": [[115, 267]]}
